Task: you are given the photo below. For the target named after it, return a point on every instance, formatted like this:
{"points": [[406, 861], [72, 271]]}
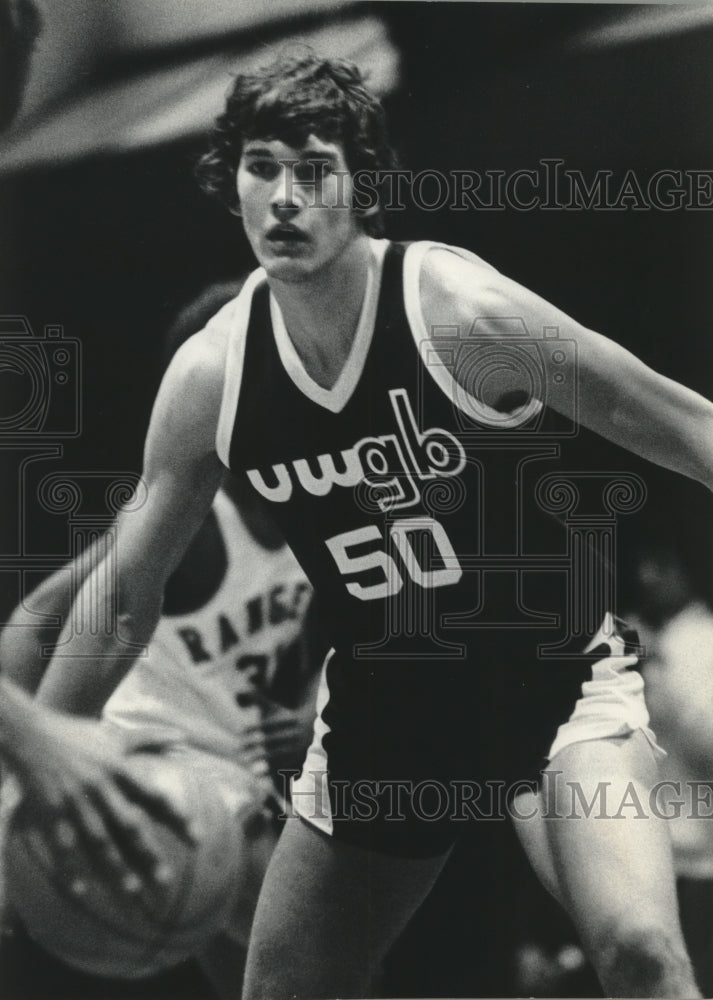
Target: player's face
{"points": [[296, 205]]}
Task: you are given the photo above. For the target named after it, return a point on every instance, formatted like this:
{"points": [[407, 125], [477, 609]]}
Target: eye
{"points": [[264, 169]]}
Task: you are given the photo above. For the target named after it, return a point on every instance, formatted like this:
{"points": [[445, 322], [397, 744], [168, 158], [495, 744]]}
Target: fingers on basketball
{"points": [[157, 797]]}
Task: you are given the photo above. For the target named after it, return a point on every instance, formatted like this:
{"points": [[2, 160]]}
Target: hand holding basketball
{"points": [[93, 920], [81, 790]]}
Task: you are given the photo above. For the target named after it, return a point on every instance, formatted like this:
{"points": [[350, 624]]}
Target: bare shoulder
{"points": [[196, 373], [454, 288], [464, 289], [185, 416], [203, 355]]}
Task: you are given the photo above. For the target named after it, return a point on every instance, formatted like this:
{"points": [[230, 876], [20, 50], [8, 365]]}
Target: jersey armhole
{"points": [[426, 340], [235, 357], [433, 360], [232, 528]]}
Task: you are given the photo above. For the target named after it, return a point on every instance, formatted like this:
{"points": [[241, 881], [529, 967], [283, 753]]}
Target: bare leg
{"points": [[531, 829], [327, 914], [610, 868]]}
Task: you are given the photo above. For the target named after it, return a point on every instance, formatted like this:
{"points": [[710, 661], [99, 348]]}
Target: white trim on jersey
{"points": [[309, 791], [238, 318], [435, 360], [336, 398]]}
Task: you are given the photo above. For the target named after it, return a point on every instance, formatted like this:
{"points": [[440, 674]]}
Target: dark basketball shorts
{"points": [[406, 752]]}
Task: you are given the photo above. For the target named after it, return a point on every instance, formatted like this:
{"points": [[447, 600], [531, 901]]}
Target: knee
{"points": [[643, 960]]}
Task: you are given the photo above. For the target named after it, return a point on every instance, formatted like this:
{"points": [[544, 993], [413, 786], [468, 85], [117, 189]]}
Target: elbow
{"points": [[621, 418]]}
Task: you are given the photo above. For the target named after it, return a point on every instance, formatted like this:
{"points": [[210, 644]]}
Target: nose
{"points": [[284, 202]]}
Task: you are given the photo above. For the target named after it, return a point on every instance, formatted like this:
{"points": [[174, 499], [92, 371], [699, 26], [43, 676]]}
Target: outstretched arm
{"points": [[616, 394]]}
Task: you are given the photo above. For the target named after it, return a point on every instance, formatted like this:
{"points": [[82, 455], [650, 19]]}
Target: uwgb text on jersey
{"points": [[414, 474], [386, 474], [392, 464]]}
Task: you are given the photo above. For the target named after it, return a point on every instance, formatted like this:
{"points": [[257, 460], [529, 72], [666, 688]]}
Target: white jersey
{"points": [[188, 685]]}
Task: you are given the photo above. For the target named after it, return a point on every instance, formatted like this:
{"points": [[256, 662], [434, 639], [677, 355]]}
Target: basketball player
{"points": [[227, 685], [312, 382]]}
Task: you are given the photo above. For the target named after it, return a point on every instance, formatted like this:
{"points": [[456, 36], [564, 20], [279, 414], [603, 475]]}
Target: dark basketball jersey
{"points": [[424, 521], [409, 515]]}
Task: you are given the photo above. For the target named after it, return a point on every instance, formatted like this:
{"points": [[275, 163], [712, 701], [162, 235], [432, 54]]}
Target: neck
{"points": [[322, 313]]}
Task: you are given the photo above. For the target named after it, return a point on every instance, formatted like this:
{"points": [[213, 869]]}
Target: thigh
{"points": [[610, 851], [327, 914], [526, 811]]}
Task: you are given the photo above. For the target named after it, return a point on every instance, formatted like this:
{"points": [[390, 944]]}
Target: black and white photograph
{"points": [[356, 534]]}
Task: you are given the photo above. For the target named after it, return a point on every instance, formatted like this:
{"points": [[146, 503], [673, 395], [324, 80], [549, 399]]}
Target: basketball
{"points": [[107, 930]]}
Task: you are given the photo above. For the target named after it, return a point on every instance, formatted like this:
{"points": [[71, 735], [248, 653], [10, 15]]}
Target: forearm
{"points": [[21, 657], [28, 639], [21, 735], [89, 662], [674, 428], [652, 416]]}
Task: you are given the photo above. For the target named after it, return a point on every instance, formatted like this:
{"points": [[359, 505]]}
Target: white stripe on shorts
{"points": [[612, 702]]}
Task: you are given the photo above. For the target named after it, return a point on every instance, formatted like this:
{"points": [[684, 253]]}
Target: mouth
{"points": [[286, 233]]}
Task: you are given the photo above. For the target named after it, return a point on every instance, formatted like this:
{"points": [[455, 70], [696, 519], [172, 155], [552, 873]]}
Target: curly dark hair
{"points": [[291, 99]]}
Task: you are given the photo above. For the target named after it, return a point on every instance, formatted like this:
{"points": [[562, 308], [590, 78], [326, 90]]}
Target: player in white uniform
{"points": [[209, 670]]}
